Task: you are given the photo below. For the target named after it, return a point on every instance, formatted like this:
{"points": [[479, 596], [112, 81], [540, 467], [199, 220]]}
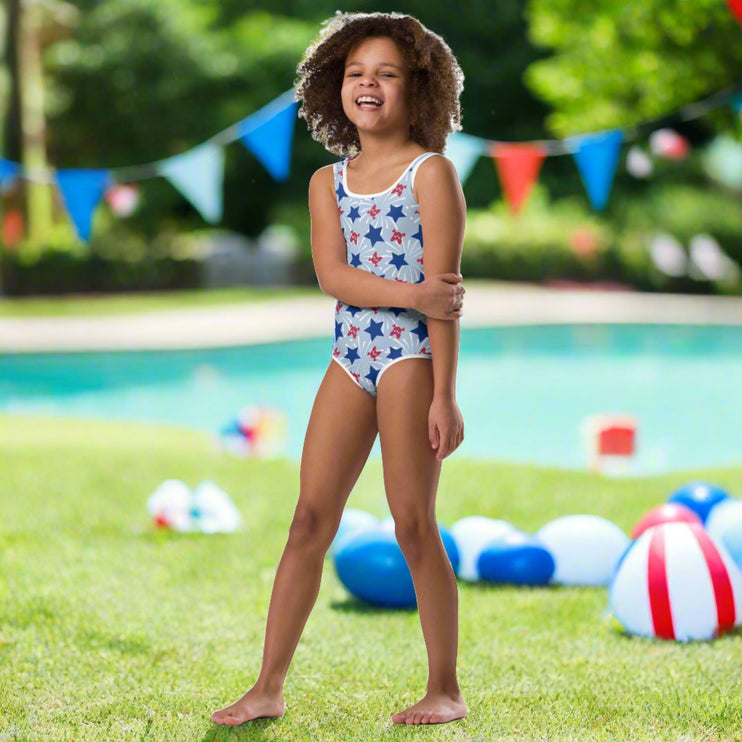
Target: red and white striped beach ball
{"points": [[675, 582]]}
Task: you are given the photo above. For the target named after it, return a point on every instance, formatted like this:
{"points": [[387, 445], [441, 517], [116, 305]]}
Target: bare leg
{"points": [[342, 428], [411, 474]]}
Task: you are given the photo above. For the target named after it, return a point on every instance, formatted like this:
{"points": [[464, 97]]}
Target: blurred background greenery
{"points": [[127, 82]]}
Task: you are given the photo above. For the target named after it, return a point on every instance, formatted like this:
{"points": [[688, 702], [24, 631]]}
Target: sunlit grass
{"points": [[110, 630]]}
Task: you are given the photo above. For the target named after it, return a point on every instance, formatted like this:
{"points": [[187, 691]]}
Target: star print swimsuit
{"points": [[382, 236]]}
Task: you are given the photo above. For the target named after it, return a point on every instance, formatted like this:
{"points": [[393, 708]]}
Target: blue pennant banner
{"points": [[596, 156], [198, 174], [269, 133], [82, 191], [8, 170], [464, 150]]}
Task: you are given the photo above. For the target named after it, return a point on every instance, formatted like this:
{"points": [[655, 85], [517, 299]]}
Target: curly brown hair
{"points": [[435, 75]]}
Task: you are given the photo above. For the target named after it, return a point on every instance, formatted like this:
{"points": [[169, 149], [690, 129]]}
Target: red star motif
{"points": [[399, 280], [337, 307], [340, 211], [420, 260], [424, 351], [375, 259], [356, 376], [374, 353], [353, 332], [397, 236], [376, 310], [396, 332], [374, 211], [397, 190], [336, 352], [354, 237]]}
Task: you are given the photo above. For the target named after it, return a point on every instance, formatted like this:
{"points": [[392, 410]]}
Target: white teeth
{"points": [[368, 99]]}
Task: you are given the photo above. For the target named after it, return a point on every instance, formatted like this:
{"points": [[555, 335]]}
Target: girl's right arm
{"points": [[435, 297]]}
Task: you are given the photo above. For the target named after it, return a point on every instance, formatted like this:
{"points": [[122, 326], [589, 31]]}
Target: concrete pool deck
{"points": [[486, 304]]}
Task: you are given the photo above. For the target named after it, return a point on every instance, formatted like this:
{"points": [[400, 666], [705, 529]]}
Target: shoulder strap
{"points": [[419, 161]]}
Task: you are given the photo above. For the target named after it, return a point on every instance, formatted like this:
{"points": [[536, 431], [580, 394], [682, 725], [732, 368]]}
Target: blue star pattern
{"points": [[374, 235], [383, 236], [397, 260], [374, 329]]}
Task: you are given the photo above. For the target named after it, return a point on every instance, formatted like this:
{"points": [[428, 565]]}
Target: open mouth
{"points": [[368, 102]]}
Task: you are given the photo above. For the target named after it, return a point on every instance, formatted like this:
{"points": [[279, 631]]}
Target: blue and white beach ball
{"points": [[586, 548], [352, 521], [518, 558], [372, 567], [471, 535], [724, 525], [700, 497]]}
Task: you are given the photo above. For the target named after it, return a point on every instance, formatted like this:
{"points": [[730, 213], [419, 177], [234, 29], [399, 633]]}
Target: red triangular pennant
{"points": [[518, 166]]}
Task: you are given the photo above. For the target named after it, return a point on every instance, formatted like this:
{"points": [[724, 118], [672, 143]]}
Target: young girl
{"points": [[385, 90]]}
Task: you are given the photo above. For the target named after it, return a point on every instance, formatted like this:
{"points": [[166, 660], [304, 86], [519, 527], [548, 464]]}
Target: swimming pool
{"points": [[524, 391]]}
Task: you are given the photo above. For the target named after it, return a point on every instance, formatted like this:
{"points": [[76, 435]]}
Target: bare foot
{"points": [[432, 709], [253, 705]]}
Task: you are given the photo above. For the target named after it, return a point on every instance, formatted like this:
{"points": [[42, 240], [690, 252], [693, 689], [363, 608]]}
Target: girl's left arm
{"points": [[442, 217]]}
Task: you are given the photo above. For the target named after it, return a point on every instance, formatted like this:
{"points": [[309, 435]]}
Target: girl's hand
{"points": [[445, 426], [440, 297]]}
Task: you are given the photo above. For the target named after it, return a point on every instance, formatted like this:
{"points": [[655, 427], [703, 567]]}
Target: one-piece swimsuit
{"points": [[383, 236]]}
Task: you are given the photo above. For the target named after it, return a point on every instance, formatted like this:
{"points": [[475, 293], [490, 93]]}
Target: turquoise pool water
{"points": [[524, 391]]}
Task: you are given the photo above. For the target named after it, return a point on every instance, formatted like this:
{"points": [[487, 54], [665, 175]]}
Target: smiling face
{"points": [[374, 92]]}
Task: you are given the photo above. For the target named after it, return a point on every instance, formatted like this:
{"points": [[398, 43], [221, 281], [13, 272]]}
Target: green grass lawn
{"points": [[112, 304], [110, 630]]}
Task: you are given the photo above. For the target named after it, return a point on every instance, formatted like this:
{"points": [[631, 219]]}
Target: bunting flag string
{"points": [[518, 166], [596, 154], [268, 134], [82, 191], [198, 175]]}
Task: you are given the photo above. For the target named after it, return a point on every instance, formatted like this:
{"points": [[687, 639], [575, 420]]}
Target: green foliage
{"points": [[564, 239], [111, 630], [118, 259], [543, 242], [620, 63], [143, 81]]}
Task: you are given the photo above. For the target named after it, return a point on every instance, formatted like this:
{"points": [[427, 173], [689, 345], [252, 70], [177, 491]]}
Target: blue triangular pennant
{"points": [[464, 150], [269, 132], [596, 156], [199, 174], [82, 191], [8, 169]]}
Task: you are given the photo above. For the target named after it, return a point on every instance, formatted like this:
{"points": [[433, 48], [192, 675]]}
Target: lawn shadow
{"points": [[354, 605], [618, 630], [256, 729]]}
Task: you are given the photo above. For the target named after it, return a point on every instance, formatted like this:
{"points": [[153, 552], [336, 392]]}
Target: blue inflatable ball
{"points": [[352, 521], [372, 567], [700, 497], [517, 558], [449, 544]]}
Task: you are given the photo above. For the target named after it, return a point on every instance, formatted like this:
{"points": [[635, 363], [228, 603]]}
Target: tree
{"points": [[143, 81], [618, 63]]}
